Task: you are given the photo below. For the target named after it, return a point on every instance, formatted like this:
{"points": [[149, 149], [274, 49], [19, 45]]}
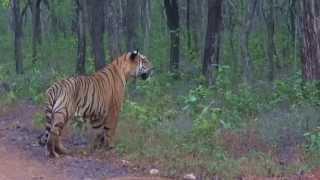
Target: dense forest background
{"points": [[236, 84]]}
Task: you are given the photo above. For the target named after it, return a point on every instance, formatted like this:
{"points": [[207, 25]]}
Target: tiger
{"points": [[97, 98]]}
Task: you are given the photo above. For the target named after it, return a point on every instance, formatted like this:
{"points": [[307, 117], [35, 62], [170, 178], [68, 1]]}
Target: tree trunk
{"points": [[231, 27], [113, 28], [292, 18], [54, 21], [17, 26], [188, 25], [244, 40], [132, 24], [197, 25], [172, 13], [146, 23], [311, 40], [212, 42], [270, 45], [36, 27], [96, 26], [81, 37]]}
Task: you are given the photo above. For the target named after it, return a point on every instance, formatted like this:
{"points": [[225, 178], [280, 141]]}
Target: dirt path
{"points": [[22, 158]]}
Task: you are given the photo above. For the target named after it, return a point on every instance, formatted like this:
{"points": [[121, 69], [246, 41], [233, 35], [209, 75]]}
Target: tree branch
{"points": [[24, 10]]}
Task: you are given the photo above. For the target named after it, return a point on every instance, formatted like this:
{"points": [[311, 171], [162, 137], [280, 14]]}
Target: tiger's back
{"points": [[80, 96], [97, 98]]}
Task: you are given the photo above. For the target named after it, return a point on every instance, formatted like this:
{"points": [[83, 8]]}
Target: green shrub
{"points": [[313, 140]]}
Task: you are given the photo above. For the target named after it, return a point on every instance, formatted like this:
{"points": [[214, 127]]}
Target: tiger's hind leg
{"points": [[60, 147], [55, 147], [51, 146]]}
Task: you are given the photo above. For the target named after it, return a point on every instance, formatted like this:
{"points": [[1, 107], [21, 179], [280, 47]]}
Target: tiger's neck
{"points": [[119, 65], [116, 71], [121, 75]]}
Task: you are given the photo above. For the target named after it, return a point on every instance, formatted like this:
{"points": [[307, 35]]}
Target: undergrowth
{"points": [[176, 124], [182, 133]]}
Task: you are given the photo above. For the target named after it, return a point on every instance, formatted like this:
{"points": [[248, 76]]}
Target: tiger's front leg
{"points": [[110, 127], [101, 140], [106, 138]]}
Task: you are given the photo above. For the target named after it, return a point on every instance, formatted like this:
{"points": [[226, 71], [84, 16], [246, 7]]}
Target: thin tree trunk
{"points": [[212, 42], [270, 45], [231, 26], [174, 51], [17, 24], [172, 12], [188, 25], [146, 23], [54, 22], [132, 17], [292, 18], [81, 37], [197, 16], [113, 24], [96, 21], [244, 41], [292, 28], [311, 40], [36, 27], [195, 23]]}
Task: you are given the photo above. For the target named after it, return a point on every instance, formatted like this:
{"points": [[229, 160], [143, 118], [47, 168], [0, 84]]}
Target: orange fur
{"points": [[98, 98]]}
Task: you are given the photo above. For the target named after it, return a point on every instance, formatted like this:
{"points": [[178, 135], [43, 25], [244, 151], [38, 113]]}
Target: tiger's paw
{"points": [[60, 149], [102, 142], [51, 153], [54, 155]]}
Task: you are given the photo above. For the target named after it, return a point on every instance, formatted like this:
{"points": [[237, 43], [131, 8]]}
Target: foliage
{"points": [[177, 122], [5, 3], [313, 140]]}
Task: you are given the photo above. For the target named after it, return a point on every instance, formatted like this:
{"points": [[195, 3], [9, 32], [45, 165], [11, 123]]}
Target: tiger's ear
{"points": [[133, 54]]}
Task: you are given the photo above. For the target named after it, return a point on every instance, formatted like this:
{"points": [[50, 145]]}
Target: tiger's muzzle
{"points": [[145, 75]]}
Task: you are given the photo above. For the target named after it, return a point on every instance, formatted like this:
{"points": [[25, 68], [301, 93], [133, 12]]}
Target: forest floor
{"points": [[22, 158]]}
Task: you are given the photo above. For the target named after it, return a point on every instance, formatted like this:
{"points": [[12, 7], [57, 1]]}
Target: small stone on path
{"points": [[154, 171], [125, 163], [189, 177]]}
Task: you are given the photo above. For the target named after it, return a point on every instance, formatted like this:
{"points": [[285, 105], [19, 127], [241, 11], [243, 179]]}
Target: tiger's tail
{"points": [[43, 138]]}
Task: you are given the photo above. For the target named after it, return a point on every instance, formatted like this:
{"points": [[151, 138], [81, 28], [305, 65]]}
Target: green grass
{"points": [[182, 133], [177, 124]]}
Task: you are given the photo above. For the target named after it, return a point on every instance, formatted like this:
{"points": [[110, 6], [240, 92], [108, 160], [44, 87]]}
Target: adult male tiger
{"points": [[97, 97]]}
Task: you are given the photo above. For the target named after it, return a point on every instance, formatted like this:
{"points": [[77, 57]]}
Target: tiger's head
{"points": [[138, 65]]}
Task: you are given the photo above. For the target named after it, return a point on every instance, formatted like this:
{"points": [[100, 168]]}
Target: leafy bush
{"points": [[194, 97], [313, 140], [207, 122]]}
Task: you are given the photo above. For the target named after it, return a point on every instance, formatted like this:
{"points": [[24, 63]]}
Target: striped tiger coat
{"points": [[97, 98]]}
